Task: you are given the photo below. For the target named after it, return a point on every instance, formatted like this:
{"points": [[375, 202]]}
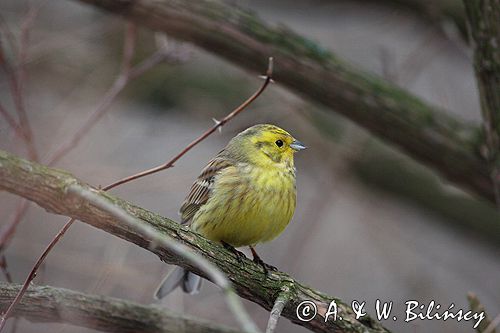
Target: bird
{"points": [[244, 196]]}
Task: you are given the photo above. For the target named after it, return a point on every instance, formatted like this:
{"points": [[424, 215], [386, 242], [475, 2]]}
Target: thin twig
{"points": [[9, 230], [127, 73], [17, 80], [218, 124], [493, 325], [5, 270], [11, 121], [32, 274], [280, 303], [19, 177], [129, 47], [9, 36], [476, 306], [106, 101], [156, 238], [232, 298]]}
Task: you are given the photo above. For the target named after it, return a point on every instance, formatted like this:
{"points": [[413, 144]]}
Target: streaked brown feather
{"points": [[201, 189]]}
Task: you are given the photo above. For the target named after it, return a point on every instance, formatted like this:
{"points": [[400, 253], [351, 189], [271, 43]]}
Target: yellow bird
{"points": [[244, 196]]}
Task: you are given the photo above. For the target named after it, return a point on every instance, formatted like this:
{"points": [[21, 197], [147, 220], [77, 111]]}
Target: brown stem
{"points": [[18, 78], [484, 25], [127, 74], [106, 101], [50, 188], [8, 231], [218, 124], [31, 276], [425, 132]]}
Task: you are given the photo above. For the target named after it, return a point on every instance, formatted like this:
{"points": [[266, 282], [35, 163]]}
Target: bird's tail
{"points": [[179, 277]]}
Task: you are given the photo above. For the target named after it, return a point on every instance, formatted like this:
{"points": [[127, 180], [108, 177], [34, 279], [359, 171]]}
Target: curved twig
{"points": [[425, 132], [169, 164], [20, 177]]}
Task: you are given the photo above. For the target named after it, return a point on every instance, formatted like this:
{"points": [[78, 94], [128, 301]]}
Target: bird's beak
{"points": [[297, 145]]}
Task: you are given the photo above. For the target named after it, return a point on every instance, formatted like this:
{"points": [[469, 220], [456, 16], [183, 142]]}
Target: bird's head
{"points": [[268, 145]]}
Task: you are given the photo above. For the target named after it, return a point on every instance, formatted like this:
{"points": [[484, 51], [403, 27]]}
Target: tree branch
{"points": [[107, 314], [49, 188], [484, 23], [279, 305], [476, 306], [168, 243], [421, 130]]}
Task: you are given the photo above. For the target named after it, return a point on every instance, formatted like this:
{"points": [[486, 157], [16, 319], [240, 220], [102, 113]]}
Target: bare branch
{"points": [[49, 188], [106, 314], [4, 268], [279, 305], [476, 306], [493, 325], [484, 24], [7, 232], [106, 101], [423, 131], [127, 74], [9, 36], [159, 239], [60, 234], [17, 80], [219, 123], [10, 120], [31, 276]]}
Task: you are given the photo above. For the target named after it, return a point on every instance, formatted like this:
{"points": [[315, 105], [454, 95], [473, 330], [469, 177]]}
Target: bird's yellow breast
{"points": [[248, 205]]}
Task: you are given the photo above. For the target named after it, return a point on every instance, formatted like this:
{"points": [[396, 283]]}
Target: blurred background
{"points": [[370, 223]]}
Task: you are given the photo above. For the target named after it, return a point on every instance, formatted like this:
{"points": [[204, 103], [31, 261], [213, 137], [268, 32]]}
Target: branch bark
{"points": [[423, 131], [49, 188], [484, 23], [107, 314]]}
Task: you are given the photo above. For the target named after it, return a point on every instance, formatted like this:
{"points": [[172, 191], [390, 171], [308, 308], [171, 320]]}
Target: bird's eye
{"points": [[279, 143]]}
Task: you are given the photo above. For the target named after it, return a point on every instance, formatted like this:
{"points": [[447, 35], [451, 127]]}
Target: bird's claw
{"points": [[239, 255], [265, 267]]}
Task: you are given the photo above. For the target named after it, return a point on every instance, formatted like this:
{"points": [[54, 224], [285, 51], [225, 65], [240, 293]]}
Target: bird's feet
{"points": [[239, 255], [259, 261]]}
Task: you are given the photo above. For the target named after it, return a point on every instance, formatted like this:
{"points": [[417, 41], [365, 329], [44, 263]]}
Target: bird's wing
{"points": [[202, 187]]}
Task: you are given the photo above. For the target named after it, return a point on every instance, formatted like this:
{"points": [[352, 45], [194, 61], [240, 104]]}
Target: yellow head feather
{"points": [[264, 145]]}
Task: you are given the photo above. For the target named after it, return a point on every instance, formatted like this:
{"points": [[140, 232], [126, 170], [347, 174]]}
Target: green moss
{"points": [[283, 38]]}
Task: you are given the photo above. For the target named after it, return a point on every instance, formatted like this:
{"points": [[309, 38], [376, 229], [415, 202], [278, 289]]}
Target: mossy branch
{"points": [[49, 188], [106, 314], [484, 23], [423, 131]]}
